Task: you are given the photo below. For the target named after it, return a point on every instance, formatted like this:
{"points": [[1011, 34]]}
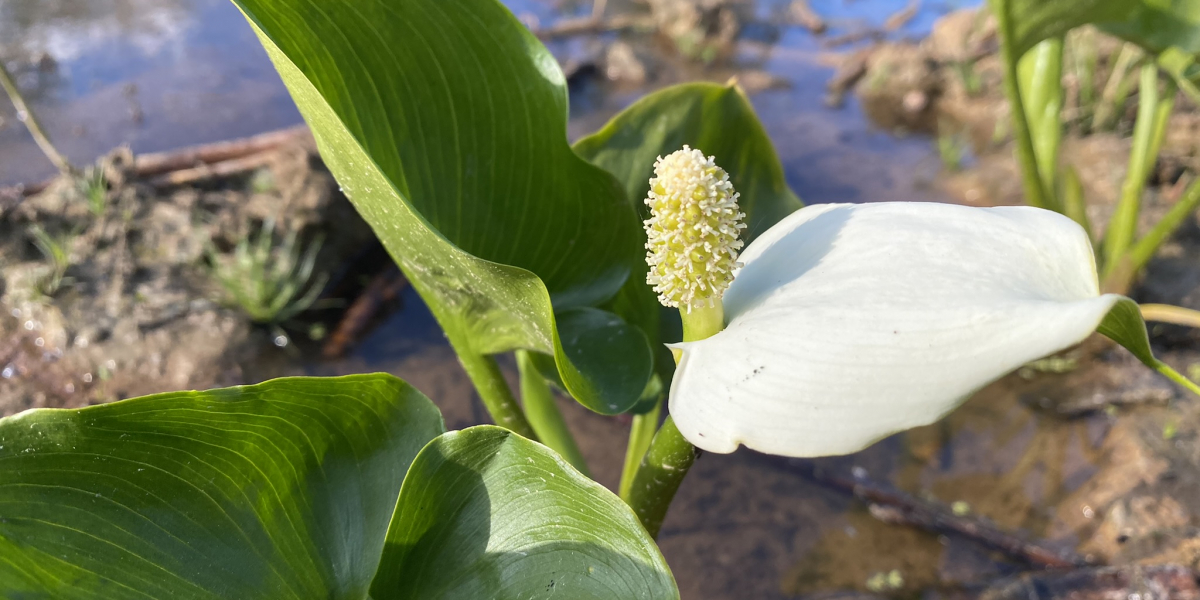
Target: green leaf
{"points": [[718, 120], [275, 491], [1125, 326], [1169, 29], [1157, 25], [445, 123], [485, 513], [1032, 21]]}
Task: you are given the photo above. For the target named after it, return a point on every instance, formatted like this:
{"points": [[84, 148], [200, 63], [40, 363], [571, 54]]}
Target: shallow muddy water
{"points": [[159, 74]]}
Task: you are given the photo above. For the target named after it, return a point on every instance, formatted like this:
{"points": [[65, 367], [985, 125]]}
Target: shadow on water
{"points": [[159, 74]]}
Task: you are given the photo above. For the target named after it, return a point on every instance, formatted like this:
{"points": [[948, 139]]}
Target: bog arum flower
{"points": [[692, 233], [847, 323]]}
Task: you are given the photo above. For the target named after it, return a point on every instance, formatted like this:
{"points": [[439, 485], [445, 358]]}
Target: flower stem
{"points": [[670, 455], [641, 433], [700, 323], [543, 413], [1148, 132], [1035, 194], [494, 391], [663, 469]]}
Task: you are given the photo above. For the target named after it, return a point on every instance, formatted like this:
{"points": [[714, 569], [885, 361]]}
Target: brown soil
{"points": [[138, 310]]}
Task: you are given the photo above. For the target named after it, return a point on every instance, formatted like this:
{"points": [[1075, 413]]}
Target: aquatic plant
{"points": [[801, 331], [1160, 35], [93, 186], [270, 282], [56, 250]]}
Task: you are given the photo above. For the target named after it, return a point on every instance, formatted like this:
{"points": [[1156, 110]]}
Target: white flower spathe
{"points": [[848, 323]]}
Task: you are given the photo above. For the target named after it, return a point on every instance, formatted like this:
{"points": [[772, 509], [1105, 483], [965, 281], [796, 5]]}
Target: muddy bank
{"points": [[113, 286]]}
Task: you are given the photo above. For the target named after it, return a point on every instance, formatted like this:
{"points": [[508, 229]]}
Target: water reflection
{"points": [[67, 30]]}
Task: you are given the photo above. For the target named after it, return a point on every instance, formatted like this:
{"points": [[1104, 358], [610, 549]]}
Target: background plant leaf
{"points": [[720, 121], [1035, 20], [1125, 326], [445, 123], [1157, 25], [277, 490], [485, 513], [1170, 30]]}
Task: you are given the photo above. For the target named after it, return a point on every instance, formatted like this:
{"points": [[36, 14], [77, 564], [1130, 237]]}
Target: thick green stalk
{"points": [[641, 433], [1040, 72], [1035, 194], [1074, 204], [670, 455], [1148, 132], [494, 391], [544, 416], [663, 469], [1144, 250]]}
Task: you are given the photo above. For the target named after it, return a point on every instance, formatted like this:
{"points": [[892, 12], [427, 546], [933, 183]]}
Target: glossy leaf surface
{"points": [[445, 123], [281, 490], [486, 513]]}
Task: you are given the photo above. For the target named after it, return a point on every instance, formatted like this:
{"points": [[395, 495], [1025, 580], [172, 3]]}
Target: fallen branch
{"points": [[593, 25], [154, 163], [894, 506], [385, 287], [902, 17], [194, 162], [1153, 582], [803, 15], [206, 171]]}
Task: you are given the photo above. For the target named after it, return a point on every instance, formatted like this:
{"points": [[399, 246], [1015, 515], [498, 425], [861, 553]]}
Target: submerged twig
{"points": [[26, 115], [1134, 581], [894, 506], [902, 17], [803, 15], [385, 287]]}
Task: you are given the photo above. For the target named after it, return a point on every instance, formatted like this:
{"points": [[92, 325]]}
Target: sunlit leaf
{"points": [[445, 124], [485, 513], [277, 490]]}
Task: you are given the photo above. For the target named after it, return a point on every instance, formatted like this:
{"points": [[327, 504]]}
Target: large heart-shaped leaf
{"points": [[277, 490], [1157, 25], [717, 119], [445, 123], [485, 513], [1031, 21]]}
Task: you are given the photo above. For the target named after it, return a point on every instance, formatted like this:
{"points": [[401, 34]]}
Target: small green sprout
{"points": [[268, 282], [884, 582], [960, 508], [94, 188], [56, 251], [1193, 372], [1170, 430]]}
